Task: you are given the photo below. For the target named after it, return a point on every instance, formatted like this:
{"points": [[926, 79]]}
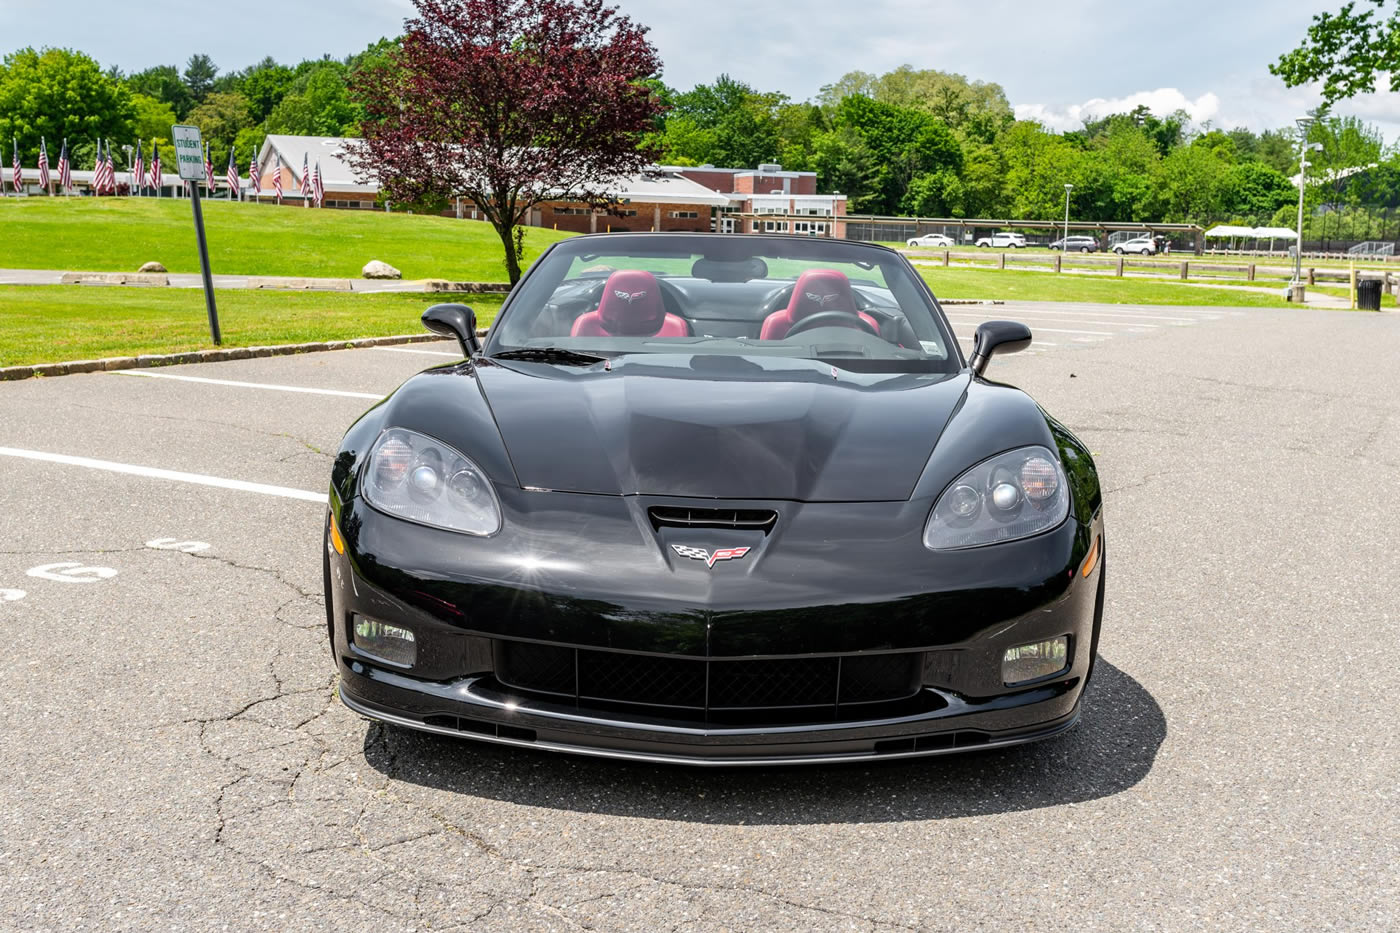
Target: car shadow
{"points": [[1112, 748]]}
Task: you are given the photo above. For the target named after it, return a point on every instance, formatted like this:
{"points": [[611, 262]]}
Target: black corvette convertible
{"points": [[716, 499]]}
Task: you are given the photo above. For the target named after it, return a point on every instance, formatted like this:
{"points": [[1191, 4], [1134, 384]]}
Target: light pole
{"points": [[1304, 124], [1064, 243], [131, 189]]}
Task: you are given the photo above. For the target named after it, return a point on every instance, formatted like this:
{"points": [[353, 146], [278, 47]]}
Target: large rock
{"points": [[153, 267], [374, 269]]}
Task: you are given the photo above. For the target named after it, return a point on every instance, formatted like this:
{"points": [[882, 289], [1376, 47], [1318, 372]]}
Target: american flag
{"points": [[18, 176], [155, 167], [65, 171], [316, 186], [232, 177], [43, 164], [208, 171], [253, 178], [277, 179], [138, 171], [109, 173], [305, 180]]}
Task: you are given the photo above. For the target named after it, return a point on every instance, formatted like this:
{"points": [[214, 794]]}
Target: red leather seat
{"points": [[816, 290], [630, 307]]}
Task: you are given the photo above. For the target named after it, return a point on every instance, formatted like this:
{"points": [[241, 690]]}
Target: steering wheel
{"points": [[832, 319]]}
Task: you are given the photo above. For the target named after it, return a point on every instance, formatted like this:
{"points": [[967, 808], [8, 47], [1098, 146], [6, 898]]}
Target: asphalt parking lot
{"points": [[175, 757]]}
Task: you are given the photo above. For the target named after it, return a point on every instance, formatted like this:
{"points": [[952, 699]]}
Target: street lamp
{"points": [[1064, 244], [1304, 124]]}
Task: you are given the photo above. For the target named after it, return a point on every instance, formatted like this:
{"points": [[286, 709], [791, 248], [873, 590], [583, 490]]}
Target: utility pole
{"points": [[1064, 244]]}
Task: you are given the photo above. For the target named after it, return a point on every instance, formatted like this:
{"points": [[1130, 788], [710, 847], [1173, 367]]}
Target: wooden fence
{"points": [[1185, 270]]}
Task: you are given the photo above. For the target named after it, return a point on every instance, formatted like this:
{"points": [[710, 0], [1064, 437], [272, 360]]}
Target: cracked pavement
{"points": [[175, 756]]}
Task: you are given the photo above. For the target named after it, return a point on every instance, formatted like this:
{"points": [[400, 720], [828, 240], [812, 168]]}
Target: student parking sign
{"points": [[189, 155]]}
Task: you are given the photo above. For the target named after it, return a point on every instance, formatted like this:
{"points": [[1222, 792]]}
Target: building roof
{"points": [[336, 173], [665, 188]]}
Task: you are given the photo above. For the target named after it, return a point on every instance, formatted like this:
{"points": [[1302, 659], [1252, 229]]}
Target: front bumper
{"points": [[965, 609]]}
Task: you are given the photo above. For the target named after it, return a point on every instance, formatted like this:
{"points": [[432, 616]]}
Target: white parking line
{"points": [[245, 385], [1048, 330], [1115, 315], [198, 479], [424, 352]]}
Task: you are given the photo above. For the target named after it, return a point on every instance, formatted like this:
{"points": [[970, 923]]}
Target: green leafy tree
{"points": [[264, 85], [221, 118], [58, 93], [200, 72], [318, 105], [1346, 51], [153, 118], [1255, 192], [1190, 185], [163, 82], [905, 144]]}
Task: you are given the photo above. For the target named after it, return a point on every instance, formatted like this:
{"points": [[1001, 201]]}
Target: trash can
{"points": [[1368, 294]]}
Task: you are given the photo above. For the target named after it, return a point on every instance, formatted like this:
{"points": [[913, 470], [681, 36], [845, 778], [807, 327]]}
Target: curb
{"points": [[11, 373], [971, 301]]}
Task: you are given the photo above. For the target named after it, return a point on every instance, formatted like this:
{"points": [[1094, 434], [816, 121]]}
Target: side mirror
{"points": [[995, 337], [451, 320]]}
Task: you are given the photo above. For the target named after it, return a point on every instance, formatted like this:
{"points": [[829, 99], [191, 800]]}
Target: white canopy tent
{"points": [[1257, 233]]}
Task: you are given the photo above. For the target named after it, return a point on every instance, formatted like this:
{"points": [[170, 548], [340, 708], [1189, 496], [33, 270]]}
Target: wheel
{"points": [[1118, 250], [912, 243], [1084, 249], [982, 244]]}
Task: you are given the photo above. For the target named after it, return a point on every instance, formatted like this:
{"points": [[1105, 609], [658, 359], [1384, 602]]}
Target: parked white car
{"points": [[1141, 244], [1014, 240], [931, 239]]}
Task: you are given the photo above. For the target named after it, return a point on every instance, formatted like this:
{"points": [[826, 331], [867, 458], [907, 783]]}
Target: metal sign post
{"points": [[189, 157]]}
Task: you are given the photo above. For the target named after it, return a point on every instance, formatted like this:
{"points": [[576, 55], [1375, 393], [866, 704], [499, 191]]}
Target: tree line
{"points": [[908, 142]]}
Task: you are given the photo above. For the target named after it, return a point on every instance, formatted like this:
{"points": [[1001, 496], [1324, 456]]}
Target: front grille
{"points": [[664, 516], [709, 686]]}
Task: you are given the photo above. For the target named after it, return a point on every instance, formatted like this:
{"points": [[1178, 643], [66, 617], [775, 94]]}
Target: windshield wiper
{"points": [[550, 355]]}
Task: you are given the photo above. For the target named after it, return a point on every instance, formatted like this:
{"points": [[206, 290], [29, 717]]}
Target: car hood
{"points": [[722, 427]]}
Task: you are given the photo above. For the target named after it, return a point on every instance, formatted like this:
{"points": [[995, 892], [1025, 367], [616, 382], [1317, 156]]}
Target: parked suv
{"points": [[1141, 244], [1016, 240], [1082, 244]]}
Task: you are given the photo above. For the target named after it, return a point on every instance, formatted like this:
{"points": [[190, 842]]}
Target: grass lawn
{"points": [[1040, 286], [55, 323], [119, 234]]}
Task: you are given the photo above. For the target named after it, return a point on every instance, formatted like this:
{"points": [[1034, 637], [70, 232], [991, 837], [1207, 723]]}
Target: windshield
{"points": [[726, 295]]}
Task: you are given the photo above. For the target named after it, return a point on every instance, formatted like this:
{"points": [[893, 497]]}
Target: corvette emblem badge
{"points": [[822, 300], [699, 553], [629, 297]]}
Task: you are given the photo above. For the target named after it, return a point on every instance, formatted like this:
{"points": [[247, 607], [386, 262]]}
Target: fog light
{"points": [[1034, 661], [381, 641]]}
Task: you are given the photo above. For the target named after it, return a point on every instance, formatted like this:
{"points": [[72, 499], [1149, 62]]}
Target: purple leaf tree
{"points": [[508, 103]]}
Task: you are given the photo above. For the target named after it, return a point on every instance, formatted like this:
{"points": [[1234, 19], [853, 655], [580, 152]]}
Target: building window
{"points": [[572, 210], [775, 226], [685, 215]]}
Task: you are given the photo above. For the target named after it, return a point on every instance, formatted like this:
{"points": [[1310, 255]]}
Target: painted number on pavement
{"points": [[71, 572], [9, 596], [175, 544]]}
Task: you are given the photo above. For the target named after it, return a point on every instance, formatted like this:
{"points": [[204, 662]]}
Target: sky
{"points": [[1059, 62]]}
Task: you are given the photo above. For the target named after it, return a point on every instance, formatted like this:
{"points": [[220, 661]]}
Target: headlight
{"points": [[1013, 495], [413, 476]]}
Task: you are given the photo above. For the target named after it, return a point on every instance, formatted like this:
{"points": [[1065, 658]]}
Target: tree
{"points": [[221, 118], [547, 101], [1345, 50], [318, 104], [200, 72], [264, 85], [725, 123], [58, 93], [164, 84], [153, 118]]}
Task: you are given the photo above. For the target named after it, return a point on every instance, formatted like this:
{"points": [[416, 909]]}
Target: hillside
{"points": [[119, 234]]}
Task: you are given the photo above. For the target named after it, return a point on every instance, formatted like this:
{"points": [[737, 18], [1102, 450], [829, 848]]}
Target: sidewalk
{"points": [[194, 280]]}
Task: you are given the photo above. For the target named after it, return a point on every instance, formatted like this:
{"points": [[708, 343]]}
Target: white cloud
{"points": [[1162, 101]]}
